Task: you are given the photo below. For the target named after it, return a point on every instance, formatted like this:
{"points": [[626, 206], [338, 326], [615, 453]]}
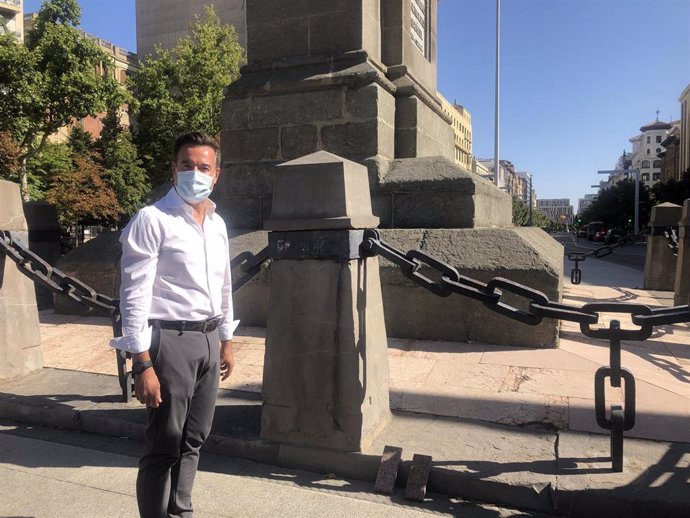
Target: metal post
{"points": [[496, 113], [637, 202]]}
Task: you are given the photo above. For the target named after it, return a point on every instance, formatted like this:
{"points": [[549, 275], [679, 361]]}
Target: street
{"points": [[632, 256]]}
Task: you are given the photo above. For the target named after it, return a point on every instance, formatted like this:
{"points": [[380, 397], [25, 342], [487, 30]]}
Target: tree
{"points": [[123, 170], [521, 216], [182, 90], [673, 191], [615, 206], [9, 155], [50, 81], [81, 195]]}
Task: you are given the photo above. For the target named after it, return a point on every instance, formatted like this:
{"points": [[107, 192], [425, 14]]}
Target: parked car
{"points": [[592, 228], [600, 236], [582, 231], [613, 235]]}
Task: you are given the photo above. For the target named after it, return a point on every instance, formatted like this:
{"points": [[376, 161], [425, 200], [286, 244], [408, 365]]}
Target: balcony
{"points": [[11, 6]]}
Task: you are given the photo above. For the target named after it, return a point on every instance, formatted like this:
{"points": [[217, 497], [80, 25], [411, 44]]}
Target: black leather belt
{"points": [[201, 326]]}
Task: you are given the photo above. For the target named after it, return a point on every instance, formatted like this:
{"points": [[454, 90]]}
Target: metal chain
{"points": [[447, 280], [44, 274], [602, 251]]}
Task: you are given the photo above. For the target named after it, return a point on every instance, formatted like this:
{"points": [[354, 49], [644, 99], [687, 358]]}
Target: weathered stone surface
{"points": [[326, 366], [44, 241], [433, 192], [243, 212], [681, 285], [296, 141], [297, 108], [388, 470], [321, 191], [245, 179], [20, 351], [234, 113], [418, 477], [660, 263], [420, 131], [95, 263], [525, 255], [250, 144]]}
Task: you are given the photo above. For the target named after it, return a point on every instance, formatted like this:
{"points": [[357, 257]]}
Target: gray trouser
{"points": [[188, 368]]}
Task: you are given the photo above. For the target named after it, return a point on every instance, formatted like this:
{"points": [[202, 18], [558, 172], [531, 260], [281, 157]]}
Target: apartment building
{"points": [[558, 210], [462, 131], [11, 18]]}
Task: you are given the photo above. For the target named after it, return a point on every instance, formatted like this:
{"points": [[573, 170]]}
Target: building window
{"points": [[657, 164], [656, 176], [658, 139], [649, 139], [647, 150], [645, 177], [645, 164]]}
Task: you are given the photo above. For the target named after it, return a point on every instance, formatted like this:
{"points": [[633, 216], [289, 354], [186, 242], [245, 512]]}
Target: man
{"points": [[177, 321]]}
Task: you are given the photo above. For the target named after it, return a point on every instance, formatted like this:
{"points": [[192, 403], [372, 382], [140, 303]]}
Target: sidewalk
{"points": [[507, 425]]}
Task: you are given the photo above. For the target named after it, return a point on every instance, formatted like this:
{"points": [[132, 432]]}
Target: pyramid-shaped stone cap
{"points": [[666, 215], [321, 191]]}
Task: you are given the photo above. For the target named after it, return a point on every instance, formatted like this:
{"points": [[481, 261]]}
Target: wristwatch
{"points": [[140, 366]]}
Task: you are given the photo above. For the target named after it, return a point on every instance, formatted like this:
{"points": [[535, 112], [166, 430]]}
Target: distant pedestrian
{"points": [[177, 321]]}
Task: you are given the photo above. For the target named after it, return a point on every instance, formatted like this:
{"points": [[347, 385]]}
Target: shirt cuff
{"points": [[227, 329], [133, 343]]}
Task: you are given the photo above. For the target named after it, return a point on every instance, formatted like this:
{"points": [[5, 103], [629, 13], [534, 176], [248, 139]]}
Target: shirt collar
{"points": [[172, 200]]}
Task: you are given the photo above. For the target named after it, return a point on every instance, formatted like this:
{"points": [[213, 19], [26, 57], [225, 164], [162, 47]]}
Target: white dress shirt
{"points": [[173, 269]]}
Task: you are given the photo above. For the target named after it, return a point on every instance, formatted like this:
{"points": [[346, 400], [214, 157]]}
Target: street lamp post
{"points": [[636, 172]]}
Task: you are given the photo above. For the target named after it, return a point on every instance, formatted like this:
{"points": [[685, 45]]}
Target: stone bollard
{"points": [[20, 338], [660, 263], [681, 287], [325, 378]]}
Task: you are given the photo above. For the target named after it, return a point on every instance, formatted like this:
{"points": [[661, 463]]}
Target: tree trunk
{"points": [[23, 181]]}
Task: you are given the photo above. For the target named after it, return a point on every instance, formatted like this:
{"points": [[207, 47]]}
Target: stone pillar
{"points": [[20, 339], [326, 367], [681, 286], [44, 240], [660, 263]]}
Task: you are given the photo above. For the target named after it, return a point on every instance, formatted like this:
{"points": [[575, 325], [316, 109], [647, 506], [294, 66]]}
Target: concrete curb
{"points": [[563, 473]]}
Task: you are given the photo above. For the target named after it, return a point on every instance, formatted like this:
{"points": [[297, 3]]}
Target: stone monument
{"points": [[660, 263], [20, 339], [325, 377], [358, 79]]}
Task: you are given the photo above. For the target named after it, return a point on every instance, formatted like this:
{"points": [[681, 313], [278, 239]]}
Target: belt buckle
{"points": [[204, 327]]}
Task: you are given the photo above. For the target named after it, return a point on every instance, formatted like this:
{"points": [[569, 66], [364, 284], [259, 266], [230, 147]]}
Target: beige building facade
{"points": [[11, 17], [462, 131], [165, 22]]}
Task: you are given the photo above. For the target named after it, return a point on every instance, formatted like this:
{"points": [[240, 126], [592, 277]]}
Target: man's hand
{"points": [[146, 385], [227, 359]]}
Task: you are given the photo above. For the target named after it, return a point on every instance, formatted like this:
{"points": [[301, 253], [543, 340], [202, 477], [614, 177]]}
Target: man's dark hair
{"points": [[196, 138]]}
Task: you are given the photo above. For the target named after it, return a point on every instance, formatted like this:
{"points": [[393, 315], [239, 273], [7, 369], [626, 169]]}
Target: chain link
{"points": [[538, 305], [672, 236]]}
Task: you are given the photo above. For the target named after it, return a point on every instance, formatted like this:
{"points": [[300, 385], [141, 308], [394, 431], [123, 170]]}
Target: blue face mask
{"points": [[193, 187]]}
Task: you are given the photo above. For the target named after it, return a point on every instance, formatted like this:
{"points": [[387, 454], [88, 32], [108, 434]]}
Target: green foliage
{"points": [[123, 170], [521, 217], [181, 90], [42, 168], [80, 140], [672, 191], [51, 80], [615, 206]]}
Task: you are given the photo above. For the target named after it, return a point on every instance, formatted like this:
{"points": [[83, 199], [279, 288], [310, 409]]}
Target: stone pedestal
{"points": [[20, 339], [325, 378], [44, 240], [660, 263], [681, 286]]}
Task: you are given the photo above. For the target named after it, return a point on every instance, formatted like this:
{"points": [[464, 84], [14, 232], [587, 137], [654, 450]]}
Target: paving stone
{"points": [[388, 469], [418, 477]]}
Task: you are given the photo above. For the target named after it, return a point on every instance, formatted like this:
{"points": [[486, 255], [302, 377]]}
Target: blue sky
{"points": [[578, 77]]}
